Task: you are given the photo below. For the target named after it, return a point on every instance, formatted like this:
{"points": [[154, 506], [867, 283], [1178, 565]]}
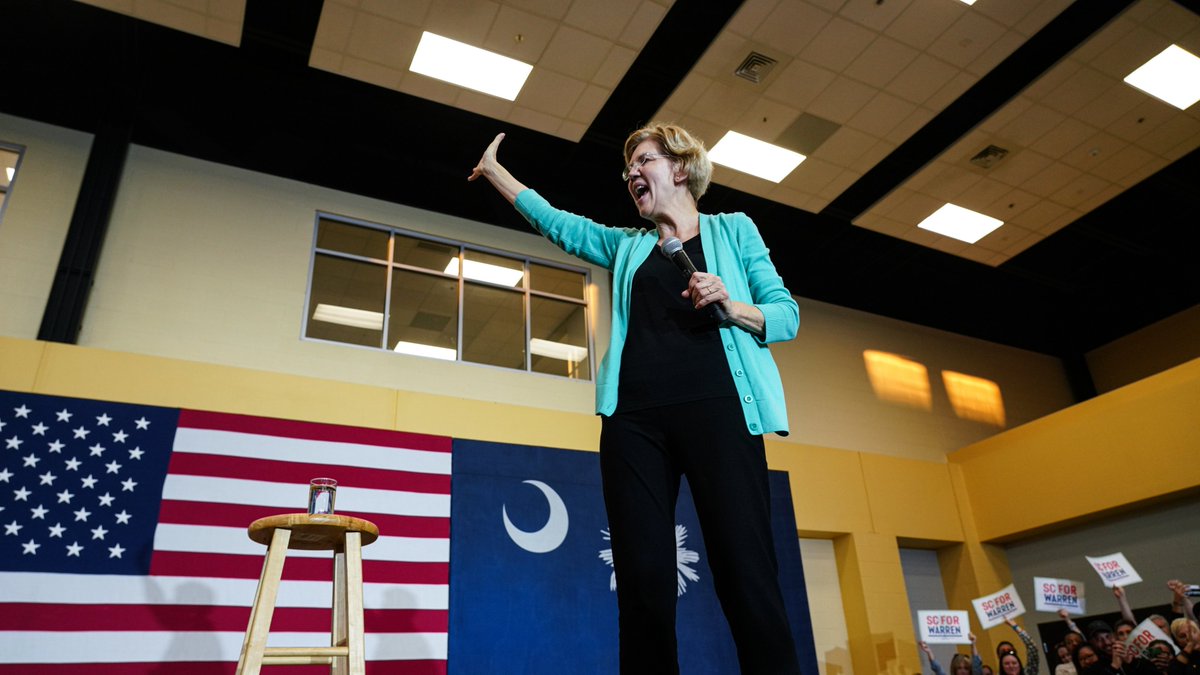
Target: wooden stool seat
{"points": [[344, 536]]}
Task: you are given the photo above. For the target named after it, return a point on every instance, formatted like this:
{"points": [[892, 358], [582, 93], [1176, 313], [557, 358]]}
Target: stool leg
{"points": [[354, 604], [251, 658], [339, 631]]}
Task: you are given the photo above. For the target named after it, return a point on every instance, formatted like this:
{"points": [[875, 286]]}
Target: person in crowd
{"points": [[1070, 641], [1010, 663], [1122, 628], [1100, 637], [1187, 661], [985, 669], [960, 664], [1084, 658], [1160, 654], [1180, 629], [683, 390]]}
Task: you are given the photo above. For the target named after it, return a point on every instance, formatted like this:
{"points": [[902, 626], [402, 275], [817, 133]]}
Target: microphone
{"points": [[673, 249]]}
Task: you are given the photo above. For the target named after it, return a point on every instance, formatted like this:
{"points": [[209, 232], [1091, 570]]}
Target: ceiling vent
{"points": [[755, 67], [989, 157]]}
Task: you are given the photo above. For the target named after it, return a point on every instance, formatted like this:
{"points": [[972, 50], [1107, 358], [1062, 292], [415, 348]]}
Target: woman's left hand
{"points": [[706, 289]]}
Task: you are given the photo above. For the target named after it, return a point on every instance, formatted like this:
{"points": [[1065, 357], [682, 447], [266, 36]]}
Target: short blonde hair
{"points": [[680, 144]]}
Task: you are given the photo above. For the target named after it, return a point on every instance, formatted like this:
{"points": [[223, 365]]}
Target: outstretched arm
{"points": [[1126, 612], [490, 168]]}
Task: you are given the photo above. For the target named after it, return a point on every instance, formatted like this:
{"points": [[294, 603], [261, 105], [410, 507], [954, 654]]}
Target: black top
{"points": [[672, 353]]}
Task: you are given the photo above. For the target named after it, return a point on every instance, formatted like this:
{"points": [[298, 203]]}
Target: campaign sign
{"points": [[992, 609], [1145, 633], [1055, 594], [944, 626], [1114, 570]]}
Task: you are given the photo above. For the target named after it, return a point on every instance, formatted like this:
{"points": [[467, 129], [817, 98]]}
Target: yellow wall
{"points": [[867, 504]]}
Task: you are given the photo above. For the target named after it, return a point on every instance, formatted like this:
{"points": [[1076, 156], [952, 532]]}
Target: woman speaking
{"points": [[683, 390]]}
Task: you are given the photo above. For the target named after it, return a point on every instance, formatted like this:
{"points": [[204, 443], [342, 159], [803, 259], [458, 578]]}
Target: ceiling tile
{"points": [[1003, 237], [333, 28], [324, 59], [721, 104], [549, 92], [841, 100], [1142, 119], [1042, 13], [535, 31], [575, 53], [799, 83], [588, 104], [1082, 87], [411, 13], [427, 87], [846, 144], [910, 125], [1115, 102], [1171, 133], [982, 197], [875, 15], [967, 39], [1005, 115], [606, 19], [791, 26], [483, 104], [1039, 215], [1051, 179], [383, 41], [572, 130], [1118, 165], [881, 61], [999, 50], [872, 156], [838, 185], [1010, 205], [1136, 47], [1094, 150], [725, 54], [957, 86], [881, 114], [765, 119], [614, 67], [750, 16], [688, 91], [533, 119], [1172, 20], [553, 9], [1079, 189], [838, 44], [1020, 166], [642, 25], [373, 73], [923, 21], [812, 175], [922, 79], [1066, 136], [467, 22], [1100, 197]]}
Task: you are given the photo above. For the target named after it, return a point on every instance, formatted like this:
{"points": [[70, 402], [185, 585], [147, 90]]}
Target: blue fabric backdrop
{"points": [[515, 611]]}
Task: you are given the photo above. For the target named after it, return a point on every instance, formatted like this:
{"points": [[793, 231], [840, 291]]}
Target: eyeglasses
{"points": [[637, 163]]}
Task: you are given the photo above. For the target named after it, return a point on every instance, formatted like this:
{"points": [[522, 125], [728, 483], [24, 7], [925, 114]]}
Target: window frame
{"points": [[390, 265]]}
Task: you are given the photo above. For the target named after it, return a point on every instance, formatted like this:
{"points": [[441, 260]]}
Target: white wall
{"points": [[209, 263], [37, 214]]}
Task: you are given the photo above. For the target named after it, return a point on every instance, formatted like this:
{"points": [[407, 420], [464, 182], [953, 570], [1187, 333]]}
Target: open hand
{"points": [[488, 161]]}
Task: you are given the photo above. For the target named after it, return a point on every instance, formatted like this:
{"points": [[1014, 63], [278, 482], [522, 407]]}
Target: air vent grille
{"points": [[989, 156], [755, 67]]}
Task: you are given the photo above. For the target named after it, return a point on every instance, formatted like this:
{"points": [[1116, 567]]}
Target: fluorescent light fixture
{"points": [[755, 157], [348, 316], [418, 349], [11, 171], [481, 271], [1173, 76], [959, 223], [557, 350], [470, 67]]}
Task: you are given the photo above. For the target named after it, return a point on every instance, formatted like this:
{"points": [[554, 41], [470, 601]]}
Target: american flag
{"points": [[124, 546]]}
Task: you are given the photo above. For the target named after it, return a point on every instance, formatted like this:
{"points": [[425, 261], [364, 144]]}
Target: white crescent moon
{"points": [[552, 534]]}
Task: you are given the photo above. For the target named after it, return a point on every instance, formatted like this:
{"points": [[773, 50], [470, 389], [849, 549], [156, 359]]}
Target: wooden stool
{"points": [[343, 535]]}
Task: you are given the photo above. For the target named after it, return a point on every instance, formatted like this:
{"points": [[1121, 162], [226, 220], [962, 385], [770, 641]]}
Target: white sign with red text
{"points": [[1114, 570], [944, 626], [992, 609], [1145, 633], [1055, 594]]}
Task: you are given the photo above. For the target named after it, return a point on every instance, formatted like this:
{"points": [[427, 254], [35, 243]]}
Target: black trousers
{"points": [[642, 456]]}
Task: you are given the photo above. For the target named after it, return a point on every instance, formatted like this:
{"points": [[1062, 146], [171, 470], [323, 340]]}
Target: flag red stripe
{"points": [[228, 566], [44, 617], [239, 515], [248, 468], [211, 668], [196, 419]]}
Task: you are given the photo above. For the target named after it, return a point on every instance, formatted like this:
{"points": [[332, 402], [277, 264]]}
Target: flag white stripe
{"points": [[233, 540], [163, 647], [295, 497], [121, 589], [237, 444]]}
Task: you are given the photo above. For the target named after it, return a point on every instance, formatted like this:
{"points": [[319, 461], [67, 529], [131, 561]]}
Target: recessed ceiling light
{"points": [[469, 67], [755, 157], [1173, 76], [481, 271], [11, 171], [348, 316], [959, 223], [418, 349]]}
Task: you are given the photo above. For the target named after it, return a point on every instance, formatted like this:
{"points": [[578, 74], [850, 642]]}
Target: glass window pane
{"points": [[493, 269], [566, 283], [424, 315], [8, 168], [493, 326], [558, 340], [353, 239], [429, 255], [346, 303]]}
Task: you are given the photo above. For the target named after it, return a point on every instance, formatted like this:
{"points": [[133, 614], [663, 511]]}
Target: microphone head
{"points": [[671, 246]]}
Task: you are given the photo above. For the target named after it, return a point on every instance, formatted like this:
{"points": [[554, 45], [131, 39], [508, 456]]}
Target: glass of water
{"points": [[321, 494]]}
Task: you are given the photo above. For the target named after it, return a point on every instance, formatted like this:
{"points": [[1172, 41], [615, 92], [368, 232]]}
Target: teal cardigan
{"points": [[734, 251]]}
